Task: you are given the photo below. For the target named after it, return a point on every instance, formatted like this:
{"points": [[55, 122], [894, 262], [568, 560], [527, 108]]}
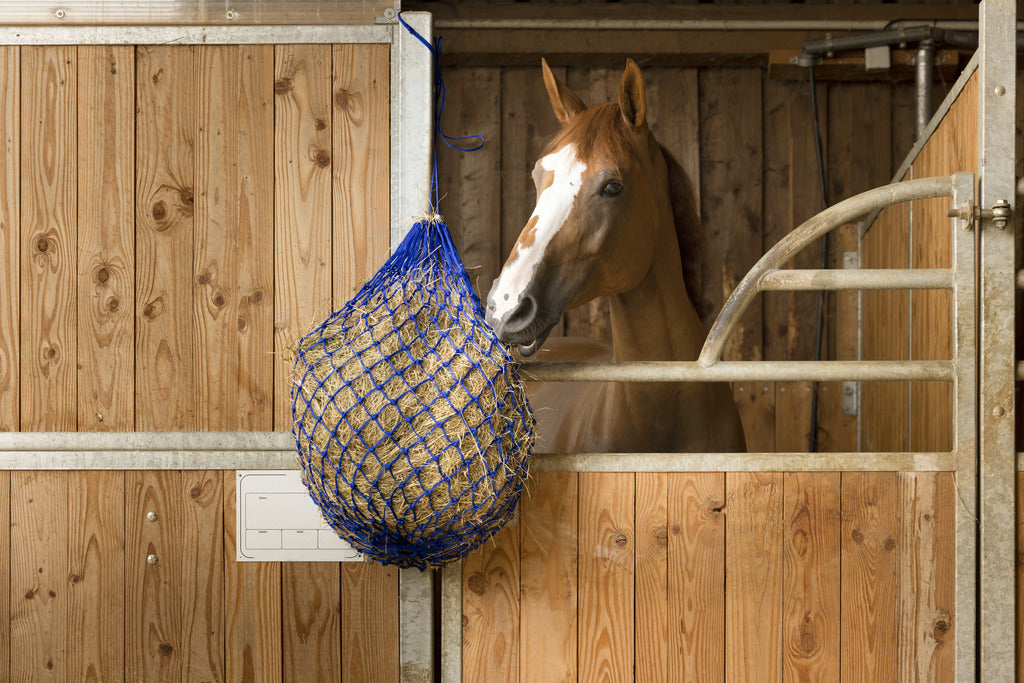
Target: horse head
{"points": [[602, 192]]}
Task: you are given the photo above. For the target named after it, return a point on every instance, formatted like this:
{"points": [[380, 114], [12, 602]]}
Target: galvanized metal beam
{"points": [[867, 278]]}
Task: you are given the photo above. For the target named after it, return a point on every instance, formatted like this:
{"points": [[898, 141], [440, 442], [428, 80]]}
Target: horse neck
{"points": [[656, 320]]}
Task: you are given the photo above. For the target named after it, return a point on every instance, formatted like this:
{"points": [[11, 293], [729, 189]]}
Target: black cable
{"points": [[819, 335]]}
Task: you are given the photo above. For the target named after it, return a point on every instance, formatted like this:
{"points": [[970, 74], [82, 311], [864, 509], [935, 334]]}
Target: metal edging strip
{"points": [[194, 35]]}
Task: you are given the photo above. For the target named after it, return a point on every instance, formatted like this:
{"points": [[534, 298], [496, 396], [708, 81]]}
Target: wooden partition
{"points": [[171, 219]]}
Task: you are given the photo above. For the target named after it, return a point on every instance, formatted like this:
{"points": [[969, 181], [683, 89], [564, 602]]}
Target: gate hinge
{"points": [[971, 214]]}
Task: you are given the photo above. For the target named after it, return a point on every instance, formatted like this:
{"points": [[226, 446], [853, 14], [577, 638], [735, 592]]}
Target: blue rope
{"points": [[439, 95]]}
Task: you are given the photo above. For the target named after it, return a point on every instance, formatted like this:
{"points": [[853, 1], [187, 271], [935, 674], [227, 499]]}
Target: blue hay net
{"points": [[411, 422]]}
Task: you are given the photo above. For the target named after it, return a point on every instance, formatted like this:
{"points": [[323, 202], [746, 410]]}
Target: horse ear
{"points": [[632, 101], [565, 102]]}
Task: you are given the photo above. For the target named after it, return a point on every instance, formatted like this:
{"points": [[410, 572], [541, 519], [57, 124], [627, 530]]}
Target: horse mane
{"points": [[689, 231]]}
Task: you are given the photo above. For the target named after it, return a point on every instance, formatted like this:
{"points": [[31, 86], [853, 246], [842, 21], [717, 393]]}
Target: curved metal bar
{"points": [[840, 214]]}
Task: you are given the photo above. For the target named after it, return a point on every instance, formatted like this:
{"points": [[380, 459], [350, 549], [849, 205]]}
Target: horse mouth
{"points": [[527, 350]]}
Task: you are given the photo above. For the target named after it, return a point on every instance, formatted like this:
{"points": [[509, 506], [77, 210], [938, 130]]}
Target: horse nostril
{"points": [[523, 314]]}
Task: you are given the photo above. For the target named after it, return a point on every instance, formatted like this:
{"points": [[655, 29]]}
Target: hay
{"points": [[415, 433]]}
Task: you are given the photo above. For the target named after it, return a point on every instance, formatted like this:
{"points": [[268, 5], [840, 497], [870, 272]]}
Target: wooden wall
{"points": [[171, 218], [713, 576]]}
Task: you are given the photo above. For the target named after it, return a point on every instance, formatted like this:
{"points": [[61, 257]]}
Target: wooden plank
{"points": [[1019, 592], [153, 629], [731, 205], [311, 592], [10, 250], [201, 555], [470, 182], [369, 608], [812, 570], [754, 576], [48, 238], [106, 248], [96, 577], [858, 159], [548, 578], [361, 169], [5, 577], [696, 577], [651, 577], [673, 114], [490, 610], [869, 620], [606, 578], [927, 528], [361, 241], [39, 586], [165, 382]]}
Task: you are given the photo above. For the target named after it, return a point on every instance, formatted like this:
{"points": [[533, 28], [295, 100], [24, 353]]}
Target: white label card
{"points": [[277, 521]]}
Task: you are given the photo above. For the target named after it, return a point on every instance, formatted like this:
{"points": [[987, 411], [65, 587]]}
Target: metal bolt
{"points": [[1000, 90], [152, 516], [152, 559], [59, 13], [232, 14], [998, 411], [390, 13]]}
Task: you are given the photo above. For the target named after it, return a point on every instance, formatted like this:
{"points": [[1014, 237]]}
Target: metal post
{"points": [[997, 470], [923, 74]]}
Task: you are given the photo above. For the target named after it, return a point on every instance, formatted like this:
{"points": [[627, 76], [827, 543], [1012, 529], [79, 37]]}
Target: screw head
{"points": [[153, 559], [152, 516], [60, 13], [998, 411], [1000, 90]]}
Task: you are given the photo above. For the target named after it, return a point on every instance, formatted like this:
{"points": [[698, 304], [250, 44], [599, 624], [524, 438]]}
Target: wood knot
{"points": [[890, 543], [320, 124], [42, 244], [661, 536], [159, 211], [195, 491], [74, 578], [940, 630], [49, 663], [158, 76], [113, 303], [153, 309], [346, 100], [30, 594], [621, 540], [186, 196], [50, 352], [165, 649], [477, 583], [218, 300], [282, 85], [113, 67], [203, 278], [257, 296], [102, 275], [241, 324], [322, 158], [857, 536], [51, 593]]}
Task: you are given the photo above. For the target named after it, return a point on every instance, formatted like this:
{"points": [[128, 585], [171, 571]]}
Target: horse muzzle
{"points": [[521, 326]]}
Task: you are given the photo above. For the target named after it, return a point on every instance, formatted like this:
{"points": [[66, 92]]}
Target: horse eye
{"points": [[613, 188]]}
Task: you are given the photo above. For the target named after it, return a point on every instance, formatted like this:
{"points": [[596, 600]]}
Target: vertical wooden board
{"points": [[10, 250], [548, 578], [5, 575], [753, 576], [812, 575], [201, 558], [490, 610], [361, 167], [869, 588], [252, 607], [673, 115], [106, 244], [651, 577], [311, 592], [904, 122], [165, 125], [606, 576], [470, 182], [39, 585], [927, 598], [233, 295], [792, 194], [96, 580], [885, 320], [48, 238], [858, 159], [369, 609], [153, 629], [696, 578]]}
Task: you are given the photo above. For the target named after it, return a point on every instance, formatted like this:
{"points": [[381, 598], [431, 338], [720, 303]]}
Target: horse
{"points": [[615, 217]]}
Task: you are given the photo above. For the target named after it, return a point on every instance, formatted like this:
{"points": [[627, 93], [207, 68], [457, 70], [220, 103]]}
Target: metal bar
{"points": [[965, 429], [924, 69], [667, 24], [997, 466], [881, 278], [878, 38], [829, 219], [416, 626], [192, 35], [739, 371], [451, 623], [247, 442], [104, 459], [742, 462]]}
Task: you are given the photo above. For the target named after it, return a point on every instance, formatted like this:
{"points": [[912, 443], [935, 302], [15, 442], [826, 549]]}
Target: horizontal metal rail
{"points": [[809, 231], [193, 35], [866, 278], [739, 371]]}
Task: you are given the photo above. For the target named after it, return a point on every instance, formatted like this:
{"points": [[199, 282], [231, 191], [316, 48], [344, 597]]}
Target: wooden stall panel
{"points": [[651, 564]]}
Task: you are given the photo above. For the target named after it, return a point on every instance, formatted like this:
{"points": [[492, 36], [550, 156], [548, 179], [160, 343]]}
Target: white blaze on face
{"points": [[553, 207]]}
